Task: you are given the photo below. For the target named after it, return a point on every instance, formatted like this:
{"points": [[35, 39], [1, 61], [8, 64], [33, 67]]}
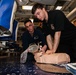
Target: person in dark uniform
{"points": [[61, 35], [42, 28], [32, 36], [39, 27]]}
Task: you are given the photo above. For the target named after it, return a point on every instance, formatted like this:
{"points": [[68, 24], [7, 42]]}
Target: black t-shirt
{"points": [[57, 21], [43, 29], [27, 39]]}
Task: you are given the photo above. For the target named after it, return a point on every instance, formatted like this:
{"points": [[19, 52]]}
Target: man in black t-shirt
{"points": [[32, 36], [59, 28]]}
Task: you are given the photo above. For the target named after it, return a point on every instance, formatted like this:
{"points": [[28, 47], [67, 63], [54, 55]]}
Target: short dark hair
{"points": [[27, 20], [36, 6]]}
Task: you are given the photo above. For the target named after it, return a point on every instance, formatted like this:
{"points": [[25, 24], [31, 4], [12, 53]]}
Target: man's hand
{"points": [[43, 49], [50, 52]]}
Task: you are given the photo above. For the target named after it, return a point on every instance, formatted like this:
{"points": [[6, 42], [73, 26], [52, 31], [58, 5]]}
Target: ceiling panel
{"points": [[47, 2], [67, 7]]}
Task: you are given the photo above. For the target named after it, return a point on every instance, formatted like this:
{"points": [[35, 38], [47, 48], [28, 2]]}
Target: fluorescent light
{"points": [[32, 20], [20, 0], [58, 7], [27, 7]]}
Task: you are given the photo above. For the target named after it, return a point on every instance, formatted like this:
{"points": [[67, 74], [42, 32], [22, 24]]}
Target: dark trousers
{"points": [[30, 57]]}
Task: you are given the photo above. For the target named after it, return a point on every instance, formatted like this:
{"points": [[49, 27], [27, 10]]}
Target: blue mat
{"points": [[13, 67]]}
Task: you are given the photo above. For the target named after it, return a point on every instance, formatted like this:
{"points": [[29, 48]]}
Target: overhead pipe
{"points": [[72, 14]]}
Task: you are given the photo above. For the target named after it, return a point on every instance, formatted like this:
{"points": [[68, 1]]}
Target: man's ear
{"points": [[33, 24], [43, 9]]}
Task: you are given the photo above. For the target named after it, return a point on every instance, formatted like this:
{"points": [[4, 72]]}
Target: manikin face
{"points": [[30, 27], [40, 14]]}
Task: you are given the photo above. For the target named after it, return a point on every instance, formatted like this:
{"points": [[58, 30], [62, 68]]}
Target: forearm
{"points": [[44, 47], [56, 41], [49, 41], [55, 46]]}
